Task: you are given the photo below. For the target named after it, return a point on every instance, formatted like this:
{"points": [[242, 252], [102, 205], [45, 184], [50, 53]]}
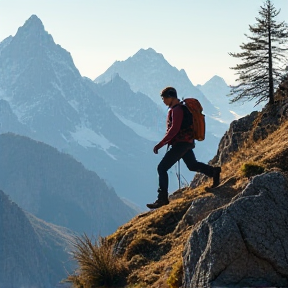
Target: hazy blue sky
{"points": [[195, 35]]}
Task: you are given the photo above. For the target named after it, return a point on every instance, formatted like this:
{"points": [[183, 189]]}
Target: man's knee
{"points": [[193, 167], [161, 168]]}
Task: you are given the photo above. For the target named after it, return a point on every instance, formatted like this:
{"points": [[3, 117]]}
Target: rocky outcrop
{"points": [[234, 138], [251, 128], [244, 243], [256, 126]]}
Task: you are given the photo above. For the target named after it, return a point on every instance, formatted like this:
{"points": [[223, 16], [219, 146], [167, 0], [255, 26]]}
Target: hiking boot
{"points": [[161, 201], [158, 203], [216, 176]]}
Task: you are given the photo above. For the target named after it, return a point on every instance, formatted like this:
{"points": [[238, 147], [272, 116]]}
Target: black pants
{"points": [[181, 150]]}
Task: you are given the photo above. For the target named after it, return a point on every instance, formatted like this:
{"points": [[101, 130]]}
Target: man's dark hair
{"points": [[169, 92]]}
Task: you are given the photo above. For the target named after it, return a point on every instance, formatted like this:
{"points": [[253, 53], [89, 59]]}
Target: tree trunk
{"points": [[271, 84]]}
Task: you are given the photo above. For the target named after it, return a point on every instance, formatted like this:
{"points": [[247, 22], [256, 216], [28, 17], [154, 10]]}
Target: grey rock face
{"points": [[234, 138], [245, 243], [256, 126]]}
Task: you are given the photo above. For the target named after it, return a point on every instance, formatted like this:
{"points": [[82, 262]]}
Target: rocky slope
{"points": [[230, 236]]}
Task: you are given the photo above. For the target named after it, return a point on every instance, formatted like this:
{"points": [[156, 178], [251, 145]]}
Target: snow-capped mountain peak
{"points": [[216, 80], [48, 99], [148, 72]]}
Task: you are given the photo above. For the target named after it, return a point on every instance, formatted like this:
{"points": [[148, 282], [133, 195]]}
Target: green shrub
{"points": [[98, 264], [142, 246], [175, 278], [251, 169]]}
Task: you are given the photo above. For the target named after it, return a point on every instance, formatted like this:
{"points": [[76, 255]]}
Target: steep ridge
{"points": [[56, 188], [136, 110], [31, 254], [230, 236]]}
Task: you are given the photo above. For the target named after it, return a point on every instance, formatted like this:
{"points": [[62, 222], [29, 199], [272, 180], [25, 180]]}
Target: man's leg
{"points": [[193, 165], [174, 154]]}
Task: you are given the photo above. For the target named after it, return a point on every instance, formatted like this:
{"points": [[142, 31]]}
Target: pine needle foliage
{"points": [[99, 266], [264, 58]]}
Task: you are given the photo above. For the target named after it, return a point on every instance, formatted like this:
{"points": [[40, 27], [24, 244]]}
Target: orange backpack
{"points": [[195, 108]]}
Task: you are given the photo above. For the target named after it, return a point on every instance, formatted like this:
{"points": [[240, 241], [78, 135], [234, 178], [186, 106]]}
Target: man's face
{"points": [[167, 100]]}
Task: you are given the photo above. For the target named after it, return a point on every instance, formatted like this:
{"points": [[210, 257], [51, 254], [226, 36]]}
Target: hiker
{"points": [[179, 137]]}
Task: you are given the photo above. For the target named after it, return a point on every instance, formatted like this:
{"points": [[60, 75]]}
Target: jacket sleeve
{"points": [[177, 117]]}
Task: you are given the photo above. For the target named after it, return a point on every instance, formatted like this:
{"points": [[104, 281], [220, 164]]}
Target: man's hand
{"points": [[156, 148]]}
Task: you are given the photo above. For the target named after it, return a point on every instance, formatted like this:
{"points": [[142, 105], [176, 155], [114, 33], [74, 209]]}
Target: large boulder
{"points": [[244, 243]]}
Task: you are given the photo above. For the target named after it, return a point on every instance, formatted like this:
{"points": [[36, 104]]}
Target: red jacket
{"points": [[174, 133]]}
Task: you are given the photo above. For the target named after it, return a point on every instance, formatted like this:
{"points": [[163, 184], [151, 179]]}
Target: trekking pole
{"points": [[179, 174]]}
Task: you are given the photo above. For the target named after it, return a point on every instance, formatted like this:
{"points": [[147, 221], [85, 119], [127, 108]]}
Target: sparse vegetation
{"points": [[143, 245], [175, 278], [99, 266], [251, 169]]}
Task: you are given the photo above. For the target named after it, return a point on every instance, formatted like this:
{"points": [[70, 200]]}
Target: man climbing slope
{"points": [[180, 140]]}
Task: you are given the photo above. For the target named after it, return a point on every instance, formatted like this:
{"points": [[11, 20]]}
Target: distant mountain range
{"points": [[217, 92], [149, 72], [56, 188], [46, 99], [32, 253], [110, 125]]}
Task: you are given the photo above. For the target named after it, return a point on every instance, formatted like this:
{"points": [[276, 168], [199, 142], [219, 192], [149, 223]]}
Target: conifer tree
{"points": [[264, 58]]}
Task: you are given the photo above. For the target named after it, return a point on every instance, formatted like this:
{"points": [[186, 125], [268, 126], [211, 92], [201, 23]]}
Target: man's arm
{"points": [[177, 117]]}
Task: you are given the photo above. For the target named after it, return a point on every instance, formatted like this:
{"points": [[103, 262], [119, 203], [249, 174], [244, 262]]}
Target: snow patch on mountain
{"points": [[88, 138], [141, 130], [237, 116], [75, 105]]}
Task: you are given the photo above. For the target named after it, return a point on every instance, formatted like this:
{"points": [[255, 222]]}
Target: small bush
{"points": [[251, 169], [98, 264], [142, 246], [175, 278]]}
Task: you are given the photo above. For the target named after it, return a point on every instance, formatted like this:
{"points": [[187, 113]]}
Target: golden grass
{"points": [[99, 266]]}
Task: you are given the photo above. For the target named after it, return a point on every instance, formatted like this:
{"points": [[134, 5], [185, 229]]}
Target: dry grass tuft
{"points": [[99, 266]]}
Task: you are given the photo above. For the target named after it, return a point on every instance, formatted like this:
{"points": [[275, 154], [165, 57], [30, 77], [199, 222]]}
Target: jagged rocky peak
{"points": [[34, 29], [30, 38], [216, 80], [148, 54], [149, 51], [33, 22]]}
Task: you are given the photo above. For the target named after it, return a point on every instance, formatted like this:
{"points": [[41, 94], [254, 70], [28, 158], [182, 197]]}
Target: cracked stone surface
{"points": [[245, 243]]}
